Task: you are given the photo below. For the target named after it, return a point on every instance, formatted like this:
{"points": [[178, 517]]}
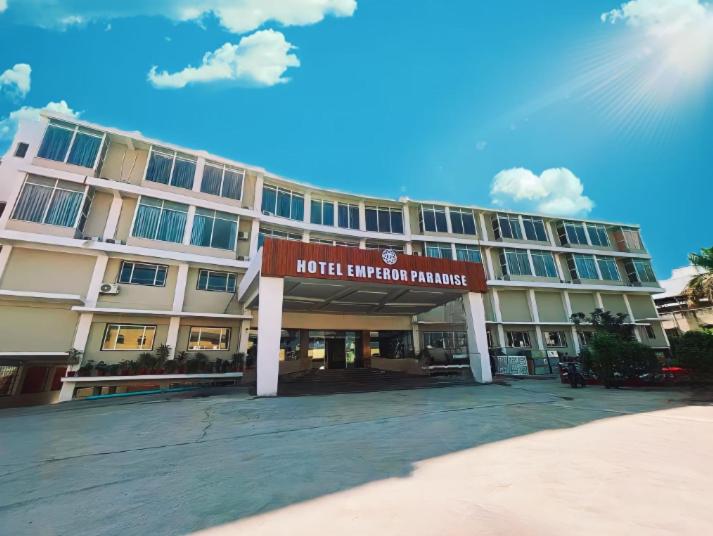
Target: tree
{"points": [[694, 351], [606, 322], [700, 287]]}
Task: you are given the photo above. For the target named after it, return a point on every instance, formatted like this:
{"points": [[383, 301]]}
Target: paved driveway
{"points": [[534, 457]]}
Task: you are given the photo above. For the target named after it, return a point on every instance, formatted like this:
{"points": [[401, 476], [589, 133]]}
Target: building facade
{"points": [[677, 314], [113, 243]]}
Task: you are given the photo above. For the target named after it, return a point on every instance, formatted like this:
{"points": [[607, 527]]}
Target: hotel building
{"points": [[114, 243]]}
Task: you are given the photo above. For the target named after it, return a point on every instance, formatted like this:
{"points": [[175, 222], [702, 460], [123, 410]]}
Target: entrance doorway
{"points": [[335, 349]]}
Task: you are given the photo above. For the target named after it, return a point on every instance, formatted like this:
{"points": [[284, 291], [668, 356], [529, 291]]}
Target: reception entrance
{"points": [[335, 349]]}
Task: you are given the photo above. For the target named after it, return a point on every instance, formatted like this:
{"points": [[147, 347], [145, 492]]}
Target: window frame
{"points": [[213, 219], [514, 228], [228, 277], [598, 230], [510, 339], [569, 229], [54, 188], [632, 269], [174, 155], [158, 224], [574, 267], [292, 195], [548, 255], [322, 203], [74, 129], [534, 221], [459, 213], [441, 247], [505, 255], [224, 330], [561, 339], [469, 249], [350, 215], [650, 333], [224, 168], [434, 209], [390, 211], [608, 262], [279, 233], [120, 325], [133, 267]]}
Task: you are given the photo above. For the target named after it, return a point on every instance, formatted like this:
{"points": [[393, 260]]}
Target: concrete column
{"points": [[180, 292], [112, 219], [477, 337], [254, 234], [416, 334], [454, 254], [534, 311], [449, 225], [12, 198], [575, 340], [362, 216], [198, 177], [540, 338], [407, 220], [4, 258], [172, 335], [598, 300], [408, 248], [269, 327], [244, 336], [305, 236], [257, 198], [96, 281], [79, 343], [189, 224], [483, 227], [630, 312], [362, 243], [308, 207], [489, 263]]}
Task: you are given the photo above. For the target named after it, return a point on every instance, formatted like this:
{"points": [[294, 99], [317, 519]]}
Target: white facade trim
{"points": [[154, 312], [41, 296]]}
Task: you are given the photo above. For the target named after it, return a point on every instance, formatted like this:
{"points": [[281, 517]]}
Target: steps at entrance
{"points": [[313, 382]]}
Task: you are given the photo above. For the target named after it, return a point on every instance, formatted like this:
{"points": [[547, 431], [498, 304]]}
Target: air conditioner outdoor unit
{"points": [[109, 288], [242, 235]]}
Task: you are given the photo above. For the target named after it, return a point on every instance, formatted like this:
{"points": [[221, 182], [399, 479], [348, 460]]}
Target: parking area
{"points": [[527, 457]]}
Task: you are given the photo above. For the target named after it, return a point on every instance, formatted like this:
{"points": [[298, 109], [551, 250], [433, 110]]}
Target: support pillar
{"points": [[172, 336], [477, 337], [112, 219], [81, 335], [269, 327], [416, 330], [5, 251]]}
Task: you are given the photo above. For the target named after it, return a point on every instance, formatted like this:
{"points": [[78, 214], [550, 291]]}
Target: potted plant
{"points": [[163, 352], [113, 369], [146, 362], [180, 360], [238, 361], [101, 368], [86, 368]]}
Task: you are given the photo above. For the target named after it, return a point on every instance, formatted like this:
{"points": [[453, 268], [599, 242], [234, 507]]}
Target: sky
{"points": [[596, 108]]}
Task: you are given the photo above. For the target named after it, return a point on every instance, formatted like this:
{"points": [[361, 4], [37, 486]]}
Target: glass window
{"points": [[157, 219], [608, 268], [134, 273], [49, 201], [384, 220], [515, 262], [582, 267], [203, 338], [632, 239], [462, 221], [468, 253], [507, 226], [544, 264], [639, 271], [348, 216], [290, 345], [585, 337], [276, 233], [128, 337], [214, 229], [278, 201], [64, 142], [572, 233], [534, 228], [650, 331], [322, 212], [555, 339], [598, 234], [21, 149], [216, 281], [518, 339], [454, 342], [8, 376], [168, 167], [222, 180], [433, 219], [381, 246], [439, 251]]}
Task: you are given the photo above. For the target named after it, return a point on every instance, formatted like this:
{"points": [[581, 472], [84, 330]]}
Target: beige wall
{"points": [[204, 301], [123, 228], [36, 327], [614, 303], [183, 248], [550, 307], [96, 334], [47, 271], [124, 164], [98, 214], [642, 306], [138, 296], [582, 302], [514, 306], [184, 332], [40, 228]]}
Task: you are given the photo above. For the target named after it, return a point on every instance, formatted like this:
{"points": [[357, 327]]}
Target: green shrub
{"points": [[694, 351], [615, 360]]}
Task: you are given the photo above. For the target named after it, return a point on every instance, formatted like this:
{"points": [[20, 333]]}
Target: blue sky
{"points": [[428, 99]]}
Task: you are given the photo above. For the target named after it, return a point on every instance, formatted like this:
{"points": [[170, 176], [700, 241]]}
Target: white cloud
{"points": [[555, 191], [259, 59], [660, 17], [3, 5], [16, 80], [8, 125], [237, 16]]}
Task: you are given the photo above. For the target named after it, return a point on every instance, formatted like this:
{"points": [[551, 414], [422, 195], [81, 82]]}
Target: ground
{"points": [[531, 457]]}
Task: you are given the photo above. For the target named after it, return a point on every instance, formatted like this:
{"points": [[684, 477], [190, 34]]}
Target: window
{"points": [[49, 201], [632, 239], [128, 337], [222, 180], [348, 216], [346, 244], [507, 226], [64, 142], [544, 264], [322, 212], [8, 376], [639, 271], [214, 229], [598, 234], [381, 246], [160, 220], [534, 228], [491, 342], [608, 268], [202, 338], [518, 339], [433, 219], [585, 337], [439, 251], [278, 201], [21, 150], [572, 233], [462, 221], [276, 233], [555, 339], [168, 167], [134, 273], [515, 262], [650, 332], [384, 220], [582, 267], [454, 342], [216, 281], [86, 207], [468, 253]]}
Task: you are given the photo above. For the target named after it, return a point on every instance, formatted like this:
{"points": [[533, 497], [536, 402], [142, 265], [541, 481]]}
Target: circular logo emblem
{"points": [[389, 256]]}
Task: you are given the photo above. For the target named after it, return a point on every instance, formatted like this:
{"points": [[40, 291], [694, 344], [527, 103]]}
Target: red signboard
{"points": [[289, 258]]}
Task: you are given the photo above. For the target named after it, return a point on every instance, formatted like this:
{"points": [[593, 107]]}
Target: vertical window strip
{"points": [[71, 144], [48, 203]]}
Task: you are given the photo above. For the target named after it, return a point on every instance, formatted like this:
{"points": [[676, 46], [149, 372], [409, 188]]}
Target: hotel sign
{"points": [[287, 258]]}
